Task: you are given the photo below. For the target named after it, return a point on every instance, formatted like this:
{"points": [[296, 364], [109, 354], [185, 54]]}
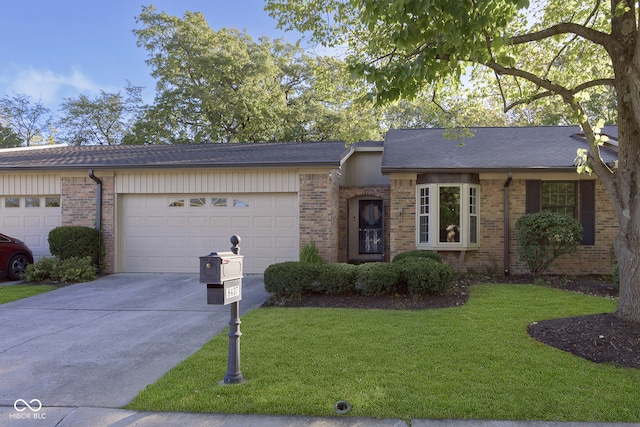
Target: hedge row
{"points": [[415, 274]]}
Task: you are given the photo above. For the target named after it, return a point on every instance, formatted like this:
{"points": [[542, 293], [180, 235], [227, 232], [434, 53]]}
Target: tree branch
{"points": [[579, 88], [597, 37]]}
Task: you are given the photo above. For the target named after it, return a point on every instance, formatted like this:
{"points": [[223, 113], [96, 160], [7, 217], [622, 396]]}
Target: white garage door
{"points": [[30, 219], [168, 233]]}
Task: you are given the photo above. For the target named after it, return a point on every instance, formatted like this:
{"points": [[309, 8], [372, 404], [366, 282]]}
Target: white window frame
{"points": [[430, 213]]}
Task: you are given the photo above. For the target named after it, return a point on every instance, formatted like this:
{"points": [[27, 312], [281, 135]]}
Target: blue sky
{"points": [[52, 50]]}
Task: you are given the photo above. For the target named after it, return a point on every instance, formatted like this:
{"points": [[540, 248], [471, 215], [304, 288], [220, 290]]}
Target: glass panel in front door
{"points": [[370, 227]]}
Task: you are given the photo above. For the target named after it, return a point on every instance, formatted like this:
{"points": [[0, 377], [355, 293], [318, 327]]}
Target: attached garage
{"points": [[161, 207], [169, 232]]}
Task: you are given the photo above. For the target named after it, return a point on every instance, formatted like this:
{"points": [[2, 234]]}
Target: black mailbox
{"points": [[219, 267], [226, 293]]}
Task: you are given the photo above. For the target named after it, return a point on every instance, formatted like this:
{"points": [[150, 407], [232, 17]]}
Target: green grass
{"points": [[15, 292], [474, 361]]}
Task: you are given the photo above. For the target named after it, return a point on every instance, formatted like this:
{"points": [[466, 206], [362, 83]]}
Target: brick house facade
{"points": [[173, 204]]}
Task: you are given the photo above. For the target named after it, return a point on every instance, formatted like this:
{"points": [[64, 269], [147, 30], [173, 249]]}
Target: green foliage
{"points": [[75, 241], [104, 120], [27, 122], [223, 86], [418, 254], [291, 278], [337, 278], [309, 253], [543, 237], [68, 270], [425, 275], [378, 278]]}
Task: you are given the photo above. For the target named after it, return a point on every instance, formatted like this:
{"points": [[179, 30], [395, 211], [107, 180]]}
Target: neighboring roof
{"points": [[179, 155], [490, 149]]}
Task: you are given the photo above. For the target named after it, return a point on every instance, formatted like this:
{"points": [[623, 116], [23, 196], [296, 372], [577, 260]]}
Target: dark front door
{"points": [[370, 227]]}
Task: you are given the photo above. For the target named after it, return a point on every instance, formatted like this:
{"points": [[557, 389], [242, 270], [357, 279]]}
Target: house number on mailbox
{"points": [[233, 291]]}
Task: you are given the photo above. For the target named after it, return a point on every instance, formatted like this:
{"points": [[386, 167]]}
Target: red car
{"points": [[14, 257]]}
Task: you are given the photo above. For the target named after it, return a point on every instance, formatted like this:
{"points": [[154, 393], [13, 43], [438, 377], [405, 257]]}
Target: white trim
{"points": [[434, 242]]}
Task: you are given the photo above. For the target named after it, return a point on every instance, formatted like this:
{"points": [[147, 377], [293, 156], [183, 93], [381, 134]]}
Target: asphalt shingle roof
{"points": [[489, 149], [195, 155]]}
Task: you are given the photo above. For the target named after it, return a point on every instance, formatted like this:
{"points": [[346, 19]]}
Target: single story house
{"points": [[161, 207]]}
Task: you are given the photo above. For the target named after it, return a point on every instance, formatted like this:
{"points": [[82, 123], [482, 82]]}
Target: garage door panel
{"points": [[182, 233], [154, 221], [176, 221], [198, 221], [33, 221], [284, 243]]}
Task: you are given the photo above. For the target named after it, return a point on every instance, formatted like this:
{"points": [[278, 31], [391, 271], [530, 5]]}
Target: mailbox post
{"points": [[222, 272]]}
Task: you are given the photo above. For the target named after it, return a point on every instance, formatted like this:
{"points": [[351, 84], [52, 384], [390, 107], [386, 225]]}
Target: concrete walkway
{"points": [[83, 351]]}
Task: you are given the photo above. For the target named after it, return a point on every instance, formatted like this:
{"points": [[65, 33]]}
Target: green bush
{"points": [[41, 270], [418, 254], [309, 253], [75, 242], [378, 278], [544, 236], [291, 278], [54, 269], [338, 278], [424, 275]]}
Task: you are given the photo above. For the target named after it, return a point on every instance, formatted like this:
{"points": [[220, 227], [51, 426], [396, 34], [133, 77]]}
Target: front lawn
{"points": [[15, 292], [474, 361]]}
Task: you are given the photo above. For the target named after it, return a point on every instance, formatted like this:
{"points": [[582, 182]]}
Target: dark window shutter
{"points": [[533, 189], [588, 211]]}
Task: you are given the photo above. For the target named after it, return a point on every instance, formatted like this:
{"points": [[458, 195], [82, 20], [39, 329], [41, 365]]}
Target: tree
{"points": [[105, 120], [8, 139], [568, 50], [29, 122], [222, 86]]}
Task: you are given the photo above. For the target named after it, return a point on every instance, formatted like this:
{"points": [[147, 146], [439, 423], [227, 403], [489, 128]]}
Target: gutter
{"points": [[98, 210], [507, 183]]}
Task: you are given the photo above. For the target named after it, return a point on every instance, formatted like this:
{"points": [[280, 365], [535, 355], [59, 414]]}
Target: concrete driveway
{"points": [[98, 344]]}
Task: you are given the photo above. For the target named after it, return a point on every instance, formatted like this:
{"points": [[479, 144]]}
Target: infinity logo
{"points": [[34, 408]]}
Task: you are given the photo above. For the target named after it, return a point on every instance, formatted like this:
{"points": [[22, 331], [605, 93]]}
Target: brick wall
{"points": [[347, 193], [402, 216], [78, 207], [319, 212], [595, 259]]}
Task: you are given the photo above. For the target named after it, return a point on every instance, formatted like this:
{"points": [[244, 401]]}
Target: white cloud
{"points": [[49, 87]]}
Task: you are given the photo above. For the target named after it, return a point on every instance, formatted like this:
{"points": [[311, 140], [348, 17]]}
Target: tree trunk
{"points": [[628, 255]]}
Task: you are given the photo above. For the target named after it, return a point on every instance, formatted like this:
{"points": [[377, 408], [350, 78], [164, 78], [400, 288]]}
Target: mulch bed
{"points": [[601, 338]]}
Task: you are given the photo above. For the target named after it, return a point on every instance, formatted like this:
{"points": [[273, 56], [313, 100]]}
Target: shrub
{"points": [[75, 241], [54, 269], [425, 275], [309, 253], [377, 278], [291, 278], [418, 254], [544, 236], [40, 271], [337, 278]]}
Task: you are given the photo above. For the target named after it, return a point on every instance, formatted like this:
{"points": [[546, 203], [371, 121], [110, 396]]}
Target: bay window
{"points": [[447, 215]]}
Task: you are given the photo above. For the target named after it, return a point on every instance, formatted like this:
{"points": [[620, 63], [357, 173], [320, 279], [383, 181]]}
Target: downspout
{"points": [[507, 183], [98, 211]]}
